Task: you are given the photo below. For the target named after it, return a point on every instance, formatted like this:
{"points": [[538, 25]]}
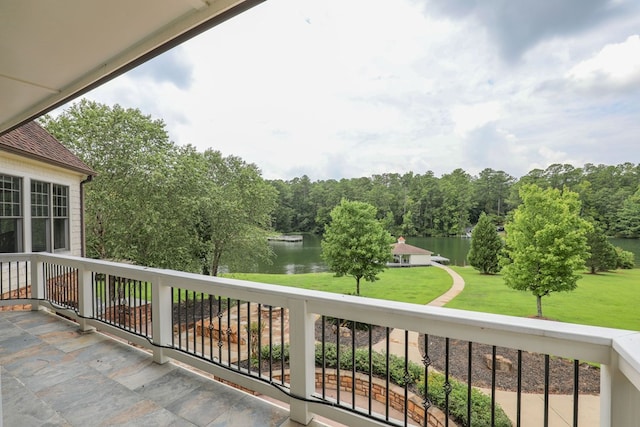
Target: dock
{"points": [[285, 238]]}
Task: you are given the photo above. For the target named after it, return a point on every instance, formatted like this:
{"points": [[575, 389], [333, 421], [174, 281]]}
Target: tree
{"points": [[546, 243], [602, 254], [135, 205], [486, 245], [629, 217], [234, 213], [355, 242]]}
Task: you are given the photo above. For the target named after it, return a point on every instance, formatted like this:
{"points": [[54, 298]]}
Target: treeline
{"points": [[425, 205]]}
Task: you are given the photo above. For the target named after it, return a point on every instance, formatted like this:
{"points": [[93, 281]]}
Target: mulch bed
{"points": [[561, 371]]}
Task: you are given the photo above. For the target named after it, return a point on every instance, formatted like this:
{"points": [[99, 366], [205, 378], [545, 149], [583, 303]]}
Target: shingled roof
{"points": [[401, 248], [32, 140]]}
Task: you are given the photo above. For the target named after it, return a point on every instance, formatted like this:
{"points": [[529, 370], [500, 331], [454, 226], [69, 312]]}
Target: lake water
{"points": [[304, 257]]}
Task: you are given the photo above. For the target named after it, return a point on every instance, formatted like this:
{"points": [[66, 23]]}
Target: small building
{"points": [[40, 193], [405, 255]]}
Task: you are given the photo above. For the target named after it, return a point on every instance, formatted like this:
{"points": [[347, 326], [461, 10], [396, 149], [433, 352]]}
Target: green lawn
{"points": [[414, 285], [605, 299]]}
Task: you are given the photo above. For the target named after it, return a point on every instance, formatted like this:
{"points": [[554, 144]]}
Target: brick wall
{"points": [[415, 410]]}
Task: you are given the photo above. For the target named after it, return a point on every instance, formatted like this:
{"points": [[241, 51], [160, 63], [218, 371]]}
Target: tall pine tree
{"points": [[485, 248]]}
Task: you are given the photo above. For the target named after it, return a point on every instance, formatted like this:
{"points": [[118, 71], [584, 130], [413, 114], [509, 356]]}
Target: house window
{"points": [[40, 217], [60, 217], [49, 205], [10, 214]]}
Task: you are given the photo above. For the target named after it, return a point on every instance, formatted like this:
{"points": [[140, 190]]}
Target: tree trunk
{"points": [[539, 301], [215, 262], [357, 286]]}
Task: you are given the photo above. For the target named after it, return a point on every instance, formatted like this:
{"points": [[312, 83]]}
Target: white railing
{"points": [[617, 351]]}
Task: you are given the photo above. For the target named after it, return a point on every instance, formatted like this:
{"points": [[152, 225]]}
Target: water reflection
{"points": [[305, 257]]}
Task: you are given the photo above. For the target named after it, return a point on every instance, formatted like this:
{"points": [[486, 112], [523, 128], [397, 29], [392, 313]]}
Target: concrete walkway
{"points": [[532, 406]]}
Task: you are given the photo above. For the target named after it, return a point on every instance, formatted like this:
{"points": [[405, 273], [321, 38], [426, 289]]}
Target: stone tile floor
{"points": [[53, 375]]}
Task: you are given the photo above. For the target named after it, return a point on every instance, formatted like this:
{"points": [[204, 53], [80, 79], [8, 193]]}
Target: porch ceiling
{"points": [[53, 51]]}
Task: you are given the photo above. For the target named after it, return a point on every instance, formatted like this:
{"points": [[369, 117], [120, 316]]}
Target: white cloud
{"points": [[470, 117], [615, 65], [337, 89]]}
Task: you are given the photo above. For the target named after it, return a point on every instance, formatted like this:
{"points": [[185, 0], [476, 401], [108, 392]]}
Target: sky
{"points": [[338, 89]]}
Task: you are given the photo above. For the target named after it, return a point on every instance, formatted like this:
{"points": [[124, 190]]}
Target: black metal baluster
{"points": [[201, 324], [576, 391], [220, 344], [493, 385], [447, 384], [229, 331], [130, 306], [270, 343], [282, 345], [426, 401], [238, 333], [519, 396], [353, 364], [406, 377], [178, 311], [469, 372], [324, 358], [186, 320], [388, 376], [9, 270], [146, 309], [260, 340], [210, 298], [370, 367], [249, 333], [339, 322], [194, 298], [546, 390], [26, 280]]}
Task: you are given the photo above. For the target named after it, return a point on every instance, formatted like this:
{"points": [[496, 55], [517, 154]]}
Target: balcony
{"points": [[293, 350]]}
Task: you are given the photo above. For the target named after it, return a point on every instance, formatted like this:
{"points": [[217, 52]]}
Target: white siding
{"points": [[28, 169], [420, 259]]}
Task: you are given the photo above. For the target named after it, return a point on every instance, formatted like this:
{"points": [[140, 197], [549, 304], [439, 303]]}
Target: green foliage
{"points": [[135, 206], [480, 402], [355, 243], [628, 224], [378, 363], [277, 352], [546, 243], [160, 205], [486, 245], [602, 254], [234, 208], [624, 259]]}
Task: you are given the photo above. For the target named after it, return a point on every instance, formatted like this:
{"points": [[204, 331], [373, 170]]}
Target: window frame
{"points": [[11, 210], [49, 216]]}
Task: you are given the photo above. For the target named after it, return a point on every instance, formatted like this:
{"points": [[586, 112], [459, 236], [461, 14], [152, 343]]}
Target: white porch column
{"points": [[37, 282], [85, 303], [301, 360], [619, 398], [161, 319]]}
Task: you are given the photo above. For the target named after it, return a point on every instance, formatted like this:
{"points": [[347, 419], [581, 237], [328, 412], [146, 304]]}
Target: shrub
{"points": [[378, 363], [480, 403], [625, 259]]}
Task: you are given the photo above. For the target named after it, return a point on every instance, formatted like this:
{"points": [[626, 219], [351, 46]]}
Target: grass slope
{"points": [[604, 299], [418, 285]]}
